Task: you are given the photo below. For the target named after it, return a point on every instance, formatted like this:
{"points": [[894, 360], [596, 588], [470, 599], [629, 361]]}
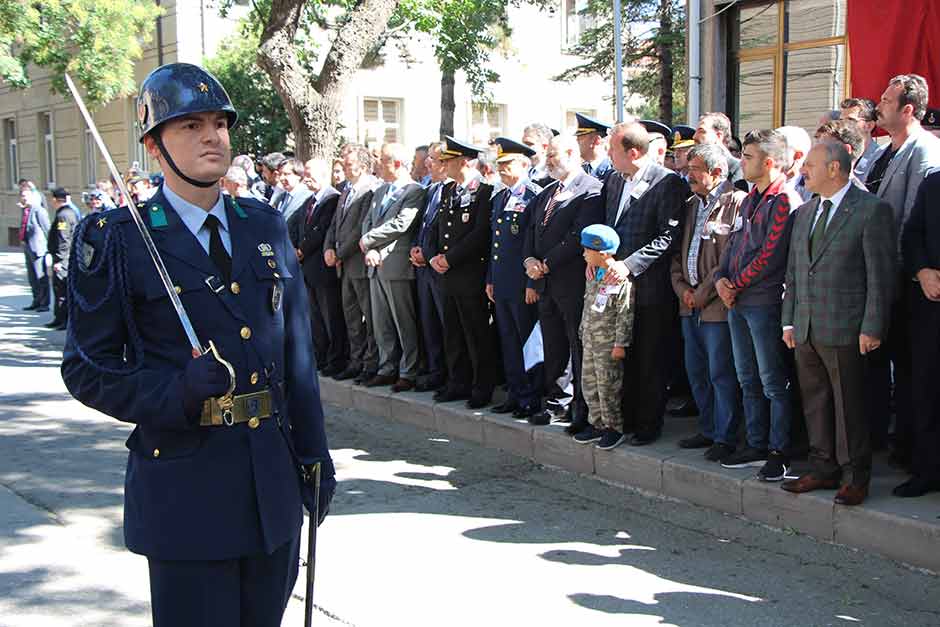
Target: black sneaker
{"points": [[746, 457], [718, 452], [588, 434], [775, 469], [612, 439]]}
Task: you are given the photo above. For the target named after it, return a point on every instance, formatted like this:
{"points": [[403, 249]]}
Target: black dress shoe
{"points": [[54, 324], [451, 394], [479, 401], [427, 385], [540, 419], [381, 379], [525, 412], [364, 376], [642, 439], [916, 486], [350, 372], [696, 441], [332, 371], [61, 327], [41, 309], [32, 307], [576, 427], [509, 407]]}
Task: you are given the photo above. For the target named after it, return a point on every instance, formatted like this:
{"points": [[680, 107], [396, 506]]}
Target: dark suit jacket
{"points": [[920, 242], [650, 229], [346, 228], [313, 235], [848, 286], [558, 243]]}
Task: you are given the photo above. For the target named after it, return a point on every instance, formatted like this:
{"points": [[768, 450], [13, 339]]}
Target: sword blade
{"points": [[139, 221], [314, 519]]}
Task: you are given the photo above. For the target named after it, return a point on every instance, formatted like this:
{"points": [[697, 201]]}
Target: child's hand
{"points": [[618, 352]]}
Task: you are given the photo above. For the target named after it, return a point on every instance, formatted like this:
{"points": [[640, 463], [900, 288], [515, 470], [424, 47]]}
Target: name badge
{"points": [[640, 189], [600, 302], [277, 292]]}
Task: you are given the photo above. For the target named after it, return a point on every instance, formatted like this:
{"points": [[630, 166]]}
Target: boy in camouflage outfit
{"points": [[606, 330]]}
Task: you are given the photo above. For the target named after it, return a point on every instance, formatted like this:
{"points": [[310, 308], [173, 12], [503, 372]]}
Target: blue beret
{"points": [[601, 238]]}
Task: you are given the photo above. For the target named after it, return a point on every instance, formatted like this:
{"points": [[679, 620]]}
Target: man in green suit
{"points": [[839, 287]]}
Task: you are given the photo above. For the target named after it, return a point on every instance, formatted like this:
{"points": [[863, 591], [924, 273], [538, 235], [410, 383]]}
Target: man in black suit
{"points": [[308, 227], [553, 258], [645, 205]]}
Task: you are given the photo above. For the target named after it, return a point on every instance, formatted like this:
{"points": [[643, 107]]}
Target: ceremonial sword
{"points": [[225, 401]]}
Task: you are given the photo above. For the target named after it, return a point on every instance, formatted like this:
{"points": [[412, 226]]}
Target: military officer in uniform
{"points": [[60, 242], [212, 498], [458, 249], [660, 139], [592, 142], [513, 295], [682, 143]]}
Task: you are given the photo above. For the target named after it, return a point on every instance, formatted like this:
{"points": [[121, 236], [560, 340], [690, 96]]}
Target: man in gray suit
{"points": [[895, 176], [861, 113], [33, 233], [341, 251], [387, 232], [290, 175]]}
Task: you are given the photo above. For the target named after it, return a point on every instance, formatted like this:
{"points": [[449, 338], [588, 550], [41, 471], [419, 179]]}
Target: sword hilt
{"points": [[226, 401]]}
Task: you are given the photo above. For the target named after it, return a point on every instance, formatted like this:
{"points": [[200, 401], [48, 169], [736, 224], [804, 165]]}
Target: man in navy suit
{"points": [[212, 498], [511, 292], [554, 262]]}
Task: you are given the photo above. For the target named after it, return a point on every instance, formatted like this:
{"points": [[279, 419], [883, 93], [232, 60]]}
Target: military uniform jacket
{"points": [[509, 223], [191, 492], [607, 316], [462, 235], [60, 238]]}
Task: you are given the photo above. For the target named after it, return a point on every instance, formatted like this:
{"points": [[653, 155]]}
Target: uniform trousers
{"points": [[601, 376], [395, 326], [431, 314], [646, 369], [560, 319], [357, 309], [60, 293], [926, 392], [468, 344], [832, 380], [244, 592], [38, 281], [514, 321], [328, 326]]}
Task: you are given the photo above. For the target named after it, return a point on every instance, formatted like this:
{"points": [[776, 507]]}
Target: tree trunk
{"points": [[664, 52], [313, 105], [448, 105]]}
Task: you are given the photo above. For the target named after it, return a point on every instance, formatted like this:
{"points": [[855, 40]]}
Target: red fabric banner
{"points": [[891, 37]]}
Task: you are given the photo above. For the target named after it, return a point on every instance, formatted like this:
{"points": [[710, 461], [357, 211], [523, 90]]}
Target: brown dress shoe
{"points": [[851, 495], [403, 385], [380, 380], [808, 483]]}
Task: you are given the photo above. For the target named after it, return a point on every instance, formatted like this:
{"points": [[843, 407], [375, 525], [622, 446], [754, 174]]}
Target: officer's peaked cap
{"points": [[177, 89], [588, 125], [507, 149], [454, 148]]}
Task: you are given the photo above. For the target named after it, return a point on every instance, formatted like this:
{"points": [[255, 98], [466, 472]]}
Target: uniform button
{"points": [[254, 378], [495, 244], [253, 423], [497, 232], [245, 333], [236, 288], [495, 257], [500, 221], [272, 264], [156, 452], [448, 224], [445, 247], [446, 235], [276, 275], [178, 289]]}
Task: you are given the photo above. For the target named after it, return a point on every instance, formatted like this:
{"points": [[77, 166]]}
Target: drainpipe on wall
{"points": [[695, 60]]}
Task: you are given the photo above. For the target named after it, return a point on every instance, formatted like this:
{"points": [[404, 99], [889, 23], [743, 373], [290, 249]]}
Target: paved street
{"points": [[425, 531]]}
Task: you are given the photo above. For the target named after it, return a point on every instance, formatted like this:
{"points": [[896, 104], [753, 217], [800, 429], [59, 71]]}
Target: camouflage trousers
{"points": [[601, 374]]}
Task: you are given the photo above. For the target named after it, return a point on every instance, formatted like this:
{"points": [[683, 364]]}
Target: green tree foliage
{"points": [[653, 41], [97, 41], [263, 124]]}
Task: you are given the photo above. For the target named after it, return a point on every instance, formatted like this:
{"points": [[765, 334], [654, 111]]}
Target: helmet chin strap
{"points": [[158, 139]]}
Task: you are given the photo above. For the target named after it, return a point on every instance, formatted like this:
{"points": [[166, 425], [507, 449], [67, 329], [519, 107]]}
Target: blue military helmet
{"points": [[178, 89], [601, 238]]}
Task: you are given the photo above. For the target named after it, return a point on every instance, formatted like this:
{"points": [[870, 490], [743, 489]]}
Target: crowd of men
{"points": [[790, 283]]}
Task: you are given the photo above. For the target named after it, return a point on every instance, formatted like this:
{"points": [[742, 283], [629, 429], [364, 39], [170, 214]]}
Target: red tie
{"points": [[550, 208]]}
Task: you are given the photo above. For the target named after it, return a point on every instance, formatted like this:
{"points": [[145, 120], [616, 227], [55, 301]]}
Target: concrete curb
{"points": [[907, 530]]}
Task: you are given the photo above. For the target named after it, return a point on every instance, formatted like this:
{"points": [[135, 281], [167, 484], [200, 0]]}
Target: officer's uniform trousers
{"points": [[216, 509]]}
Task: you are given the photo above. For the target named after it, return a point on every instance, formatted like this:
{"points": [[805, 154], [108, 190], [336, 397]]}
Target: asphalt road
{"points": [[425, 531]]}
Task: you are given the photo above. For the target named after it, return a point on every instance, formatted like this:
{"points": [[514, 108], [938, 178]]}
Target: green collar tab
{"points": [[238, 209], [157, 217]]}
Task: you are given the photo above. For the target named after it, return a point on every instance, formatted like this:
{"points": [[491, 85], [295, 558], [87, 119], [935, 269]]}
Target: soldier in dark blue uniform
{"points": [[512, 293], [592, 141], [213, 499]]}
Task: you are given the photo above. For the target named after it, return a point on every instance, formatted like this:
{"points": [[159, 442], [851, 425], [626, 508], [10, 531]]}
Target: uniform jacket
{"points": [[191, 492], [756, 259], [847, 288], [462, 235], [920, 243], [604, 169], [37, 229], [60, 238], [509, 223], [345, 229], [718, 224], [650, 229], [920, 153], [603, 330], [314, 231], [389, 227], [558, 243]]}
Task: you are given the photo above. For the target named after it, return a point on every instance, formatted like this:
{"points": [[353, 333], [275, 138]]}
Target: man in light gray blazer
{"points": [[387, 232], [290, 175], [33, 233], [341, 250], [895, 176]]}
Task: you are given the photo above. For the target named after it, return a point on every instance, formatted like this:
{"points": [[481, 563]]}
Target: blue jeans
{"points": [[762, 372], [710, 367]]}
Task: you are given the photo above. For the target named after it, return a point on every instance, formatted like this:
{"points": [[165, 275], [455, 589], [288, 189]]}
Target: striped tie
{"points": [[550, 208]]}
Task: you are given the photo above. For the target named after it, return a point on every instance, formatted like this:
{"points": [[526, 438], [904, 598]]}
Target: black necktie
{"points": [[217, 251], [819, 230]]}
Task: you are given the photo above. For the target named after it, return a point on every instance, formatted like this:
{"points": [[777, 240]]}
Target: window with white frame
{"points": [[574, 22], [487, 121], [90, 164], [13, 156], [47, 149], [381, 121]]}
